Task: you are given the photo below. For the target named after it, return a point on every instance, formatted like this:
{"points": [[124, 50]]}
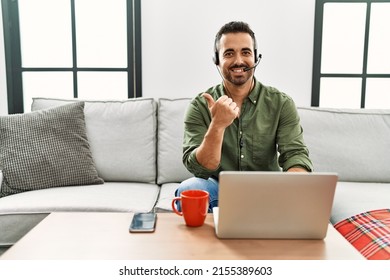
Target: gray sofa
{"points": [[136, 147]]}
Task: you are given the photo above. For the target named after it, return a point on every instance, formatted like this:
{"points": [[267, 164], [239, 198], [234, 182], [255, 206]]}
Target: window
{"points": [[351, 65], [71, 49]]}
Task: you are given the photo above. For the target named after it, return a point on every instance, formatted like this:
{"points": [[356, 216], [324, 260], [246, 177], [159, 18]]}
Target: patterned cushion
{"points": [[369, 233], [43, 149]]}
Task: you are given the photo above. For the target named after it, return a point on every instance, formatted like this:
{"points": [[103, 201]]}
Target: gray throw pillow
{"points": [[44, 149]]}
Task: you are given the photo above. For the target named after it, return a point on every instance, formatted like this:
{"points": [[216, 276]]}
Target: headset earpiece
{"points": [[216, 58], [256, 57]]}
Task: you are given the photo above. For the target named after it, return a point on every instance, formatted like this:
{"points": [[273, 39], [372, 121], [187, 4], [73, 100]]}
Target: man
{"points": [[240, 124]]}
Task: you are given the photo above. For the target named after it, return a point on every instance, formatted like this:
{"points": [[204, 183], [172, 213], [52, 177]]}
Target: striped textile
{"points": [[369, 233]]}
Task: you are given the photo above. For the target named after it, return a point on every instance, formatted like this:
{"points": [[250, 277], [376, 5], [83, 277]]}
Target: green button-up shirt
{"points": [[266, 137]]}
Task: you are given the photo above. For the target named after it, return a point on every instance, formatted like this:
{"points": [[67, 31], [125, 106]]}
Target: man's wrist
{"points": [[297, 169]]}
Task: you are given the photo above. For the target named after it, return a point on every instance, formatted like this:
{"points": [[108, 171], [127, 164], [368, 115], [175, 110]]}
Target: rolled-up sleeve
{"points": [[291, 145], [197, 120]]}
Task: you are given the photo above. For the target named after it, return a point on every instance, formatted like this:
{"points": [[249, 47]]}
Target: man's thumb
{"points": [[209, 99]]}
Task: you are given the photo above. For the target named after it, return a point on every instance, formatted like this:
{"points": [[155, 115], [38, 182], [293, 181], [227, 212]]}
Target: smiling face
{"points": [[236, 52]]}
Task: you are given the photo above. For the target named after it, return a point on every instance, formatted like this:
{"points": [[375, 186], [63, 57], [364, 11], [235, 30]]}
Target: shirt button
{"points": [[254, 101], [242, 156]]}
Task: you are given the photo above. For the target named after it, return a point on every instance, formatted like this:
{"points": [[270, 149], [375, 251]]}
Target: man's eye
{"points": [[229, 54], [247, 53]]}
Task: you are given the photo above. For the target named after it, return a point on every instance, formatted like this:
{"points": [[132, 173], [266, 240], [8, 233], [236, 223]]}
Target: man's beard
{"points": [[238, 80]]}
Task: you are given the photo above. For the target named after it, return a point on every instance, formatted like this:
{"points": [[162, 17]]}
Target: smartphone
{"points": [[143, 222]]}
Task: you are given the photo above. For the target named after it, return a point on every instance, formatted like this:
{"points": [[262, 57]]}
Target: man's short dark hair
{"points": [[234, 27]]}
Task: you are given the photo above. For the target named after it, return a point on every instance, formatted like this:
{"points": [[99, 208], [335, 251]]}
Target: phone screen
{"points": [[143, 222]]}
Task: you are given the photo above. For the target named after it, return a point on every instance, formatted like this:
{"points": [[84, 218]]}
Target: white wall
{"points": [[178, 37], [3, 81]]}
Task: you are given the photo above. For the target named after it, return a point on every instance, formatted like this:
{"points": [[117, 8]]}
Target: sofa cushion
{"points": [[352, 142], [44, 149], [167, 193], [122, 135], [369, 233], [110, 197], [170, 167]]}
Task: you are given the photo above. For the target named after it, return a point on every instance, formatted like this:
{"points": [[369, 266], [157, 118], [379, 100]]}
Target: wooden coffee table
{"points": [[105, 236]]}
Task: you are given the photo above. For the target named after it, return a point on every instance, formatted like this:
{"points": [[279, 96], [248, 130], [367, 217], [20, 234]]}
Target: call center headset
{"points": [[257, 57]]}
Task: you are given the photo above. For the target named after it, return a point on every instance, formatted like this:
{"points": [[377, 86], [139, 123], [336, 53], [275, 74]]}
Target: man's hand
{"points": [[223, 111]]}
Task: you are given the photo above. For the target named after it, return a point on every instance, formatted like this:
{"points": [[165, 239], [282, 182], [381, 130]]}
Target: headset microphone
{"points": [[254, 66]]}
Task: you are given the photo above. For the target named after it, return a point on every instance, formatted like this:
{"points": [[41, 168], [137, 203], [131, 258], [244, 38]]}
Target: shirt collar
{"points": [[254, 94]]}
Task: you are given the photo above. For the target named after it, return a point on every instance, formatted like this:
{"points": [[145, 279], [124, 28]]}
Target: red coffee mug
{"points": [[194, 206]]}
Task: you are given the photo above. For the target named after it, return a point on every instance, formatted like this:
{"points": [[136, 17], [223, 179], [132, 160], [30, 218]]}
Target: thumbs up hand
{"points": [[223, 111]]}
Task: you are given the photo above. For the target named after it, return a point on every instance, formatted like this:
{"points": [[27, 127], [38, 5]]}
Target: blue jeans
{"points": [[210, 185]]}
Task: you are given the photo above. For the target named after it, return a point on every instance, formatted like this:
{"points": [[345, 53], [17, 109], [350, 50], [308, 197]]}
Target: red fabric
{"points": [[369, 233]]}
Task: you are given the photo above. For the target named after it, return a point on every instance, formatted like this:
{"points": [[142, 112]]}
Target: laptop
{"points": [[274, 205]]}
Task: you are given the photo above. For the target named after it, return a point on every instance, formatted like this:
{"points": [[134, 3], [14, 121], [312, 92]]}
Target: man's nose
{"points": [[238, 59]]}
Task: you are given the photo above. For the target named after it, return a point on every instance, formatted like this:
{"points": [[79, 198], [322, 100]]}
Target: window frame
{"points": [[14, 67], [317, 53]]}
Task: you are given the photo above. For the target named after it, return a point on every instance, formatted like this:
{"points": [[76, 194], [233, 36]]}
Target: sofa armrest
{"points": [[1, 178]]}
